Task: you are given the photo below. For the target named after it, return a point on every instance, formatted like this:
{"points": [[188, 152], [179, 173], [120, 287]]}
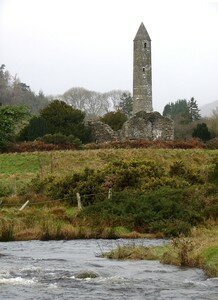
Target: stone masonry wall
{"points": [[149, 126], [101, 132]]}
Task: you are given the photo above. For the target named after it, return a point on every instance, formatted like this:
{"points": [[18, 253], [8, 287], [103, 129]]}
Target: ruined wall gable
{"points": [[101, 132], [136, 128], [150, 126]]}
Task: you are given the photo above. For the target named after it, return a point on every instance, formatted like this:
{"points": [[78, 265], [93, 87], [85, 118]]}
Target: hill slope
{"points": [[207, 109]]}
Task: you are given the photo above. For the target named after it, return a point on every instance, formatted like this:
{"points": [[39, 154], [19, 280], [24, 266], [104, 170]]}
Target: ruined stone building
{"points": [[144, 124]]}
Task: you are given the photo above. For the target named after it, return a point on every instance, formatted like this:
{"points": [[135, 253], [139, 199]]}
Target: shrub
{"points": [[164, 210], [63, 118], [38, 186], [178, 168], [31, 147], [170, 228], [145, 196], [213, 174], [212, 144], [114, 119], [56, 117], [37, 127], [189, 144], [43, 146], [88, 183], [62, 140], [5, 189], [202, 132], [133, 173], [93, 186]]}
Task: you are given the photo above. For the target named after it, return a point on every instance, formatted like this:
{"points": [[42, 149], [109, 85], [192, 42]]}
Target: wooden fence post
{"points": [[79, 204], [40, 166], [52, 163], [24, 205], [109, 193]]}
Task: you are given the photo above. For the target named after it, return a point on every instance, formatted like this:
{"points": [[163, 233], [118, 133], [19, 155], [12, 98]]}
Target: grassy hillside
{"points": [[27, 165], [18, 169], [155, 193], [151, 187]]}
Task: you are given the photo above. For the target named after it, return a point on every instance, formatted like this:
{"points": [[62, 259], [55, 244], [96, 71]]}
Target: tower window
{"points": [[145, 45], [143, 69]]}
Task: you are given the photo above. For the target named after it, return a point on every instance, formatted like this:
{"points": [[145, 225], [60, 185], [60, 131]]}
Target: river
{"points": [[48, 270]]}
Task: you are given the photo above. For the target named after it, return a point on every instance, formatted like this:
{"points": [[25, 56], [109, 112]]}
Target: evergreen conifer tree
{"points": [[202, 132], [194, 111]]}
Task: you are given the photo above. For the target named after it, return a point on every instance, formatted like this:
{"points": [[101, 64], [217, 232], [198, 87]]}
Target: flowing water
{"points": [[48, 270]]}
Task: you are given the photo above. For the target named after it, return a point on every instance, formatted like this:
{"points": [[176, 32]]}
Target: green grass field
{"points": [[18, 169], [65, 162]]}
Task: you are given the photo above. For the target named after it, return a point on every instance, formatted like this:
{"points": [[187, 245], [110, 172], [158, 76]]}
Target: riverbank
{"points": [[199, 250], [56, 221]]}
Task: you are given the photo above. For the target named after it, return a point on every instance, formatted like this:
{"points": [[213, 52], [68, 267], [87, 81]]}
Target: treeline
{"points": [[188, 122], [26, 116], [60, 120], [15, 92], [94, 104]]}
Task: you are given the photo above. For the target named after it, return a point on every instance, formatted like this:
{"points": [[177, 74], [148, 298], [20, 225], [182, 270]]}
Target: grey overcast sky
{"points": [[54, 45]]}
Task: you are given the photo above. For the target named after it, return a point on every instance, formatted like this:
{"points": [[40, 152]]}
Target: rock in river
{"points": [[86, 274]]}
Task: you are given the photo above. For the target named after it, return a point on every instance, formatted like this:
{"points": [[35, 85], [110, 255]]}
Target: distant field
{"points": [[64, 162], [22, 167]]}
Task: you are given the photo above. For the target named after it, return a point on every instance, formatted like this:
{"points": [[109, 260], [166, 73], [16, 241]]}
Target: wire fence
{"points": [[78, 197], [2, 204]]}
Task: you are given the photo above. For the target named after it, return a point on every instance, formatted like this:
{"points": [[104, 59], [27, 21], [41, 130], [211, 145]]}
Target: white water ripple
{"points": [[17, 281], [48, 270]]}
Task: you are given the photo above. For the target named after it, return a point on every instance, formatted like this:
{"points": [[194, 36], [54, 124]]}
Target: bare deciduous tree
{"points": [[91, 102]]}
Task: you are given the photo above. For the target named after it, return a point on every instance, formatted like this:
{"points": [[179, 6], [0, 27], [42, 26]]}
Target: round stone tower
{"points": [[142, 81]]}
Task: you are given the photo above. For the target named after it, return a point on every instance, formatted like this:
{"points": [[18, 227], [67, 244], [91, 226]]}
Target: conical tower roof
{"points": [[142, 33]]}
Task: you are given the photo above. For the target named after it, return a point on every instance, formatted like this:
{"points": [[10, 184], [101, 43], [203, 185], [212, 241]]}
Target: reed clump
{"points": [[200, 250], [6, 230], [133, 252]]}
